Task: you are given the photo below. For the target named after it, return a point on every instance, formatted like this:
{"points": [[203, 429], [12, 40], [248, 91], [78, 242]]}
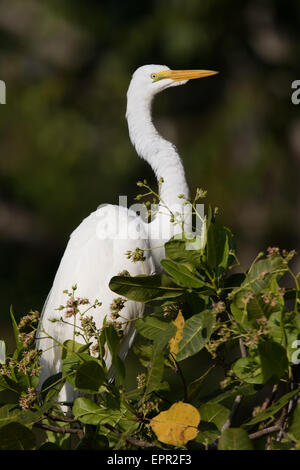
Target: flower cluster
{"points": [[272, 298], [275, 251], [118, 326], [218, 307], [28, 364], [249, 295], [200, 194], [116, 306], [149, 406], [227, 380], [137, 255], [89, 326], [72, 305], [141, 380], [124, 273], [254, 335], [27, 339], [171, 310], [27, 399], [29, 320]]}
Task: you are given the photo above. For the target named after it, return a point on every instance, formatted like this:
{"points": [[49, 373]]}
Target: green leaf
{"points": [[7, 384], [257, 308], [196, 333], [28, 418], [87, 412], [183, 274], [145, 288], [235, 439], [207, 433], [89, 377], [143, 352], [8, 413], [272, 410], [52, 386], [175, 249], [284, 444], [19, 345], [15, 436], [244, 389], [247, 313], [49, 446], [93, 442], [269, 265], [267, 367], [70, 346], [155, 372], [261, 276], [71, 364], [152, 327], [214, 413], [284, 329], [195, 386], [249, 370], [273, 361], [294, 425], [113, 342], [217, 246]]}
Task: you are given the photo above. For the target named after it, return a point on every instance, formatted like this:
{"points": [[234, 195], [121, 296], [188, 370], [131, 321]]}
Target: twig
{"points": [[238, 398], [269, 399], [234, 408], [265, 431], [60, 430], [179, 372], [130, 440], [242, 348], [288, 410], [80, 433], [63, 419]]}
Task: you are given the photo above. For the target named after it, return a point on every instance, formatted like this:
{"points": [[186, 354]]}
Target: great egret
{"points": [[96, 249]]}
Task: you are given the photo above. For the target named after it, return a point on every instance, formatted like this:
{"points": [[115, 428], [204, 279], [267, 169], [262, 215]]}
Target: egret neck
{"points": [[161, 154], [166, 163]]}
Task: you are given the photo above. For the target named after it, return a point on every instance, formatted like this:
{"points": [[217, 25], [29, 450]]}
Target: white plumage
{"points": [[96, 249]]}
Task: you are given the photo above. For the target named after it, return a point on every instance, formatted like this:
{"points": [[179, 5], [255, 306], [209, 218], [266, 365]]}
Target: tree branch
{"points": [[238, 398], [265, 431], [60, 430], [131, 440], [80, 433], [63, 419]]}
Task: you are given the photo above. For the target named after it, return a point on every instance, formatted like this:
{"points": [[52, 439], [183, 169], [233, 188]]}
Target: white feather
{"points": [[96, 249]]}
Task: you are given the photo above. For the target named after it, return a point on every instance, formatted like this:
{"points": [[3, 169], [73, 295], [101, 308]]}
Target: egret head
{"points": [[151, 79]]}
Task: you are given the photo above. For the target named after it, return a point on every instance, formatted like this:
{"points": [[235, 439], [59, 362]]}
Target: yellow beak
{"points": [[178, 75]]}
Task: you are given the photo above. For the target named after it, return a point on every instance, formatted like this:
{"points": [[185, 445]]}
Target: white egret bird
{"points": [[96, 249]]}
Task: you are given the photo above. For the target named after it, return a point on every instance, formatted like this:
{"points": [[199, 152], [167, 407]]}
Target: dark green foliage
{"points": [[246, 321]]}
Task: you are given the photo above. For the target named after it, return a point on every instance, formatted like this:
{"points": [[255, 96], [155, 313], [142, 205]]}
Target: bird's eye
{"points": [[153, 76]]}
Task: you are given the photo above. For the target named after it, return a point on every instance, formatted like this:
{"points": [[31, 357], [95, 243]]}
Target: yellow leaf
{"points": [[174, 342], [177, 425]]}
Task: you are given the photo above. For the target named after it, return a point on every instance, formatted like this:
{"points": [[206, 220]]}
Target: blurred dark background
{"points": [[64, 146]]}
